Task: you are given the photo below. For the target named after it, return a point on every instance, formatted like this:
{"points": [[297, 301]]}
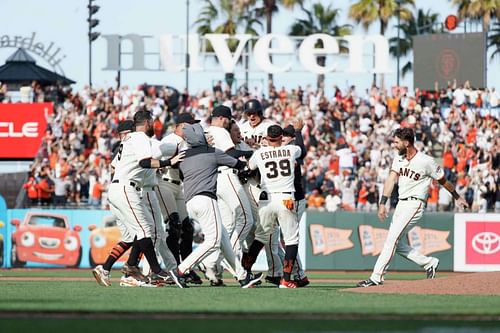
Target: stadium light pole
{"points": [[187, 46], [399, 41], [93, 35]]}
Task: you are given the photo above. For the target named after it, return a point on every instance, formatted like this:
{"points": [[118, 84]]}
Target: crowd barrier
{"points": [[338, 241]]}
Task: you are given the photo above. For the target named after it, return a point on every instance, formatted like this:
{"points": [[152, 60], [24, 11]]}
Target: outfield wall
{"points": [[339, 241]]}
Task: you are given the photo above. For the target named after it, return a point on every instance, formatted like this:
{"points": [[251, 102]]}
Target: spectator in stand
{"points": [[333, 201], [432, 201], [96, 196], [316, 201], [32, 190]]}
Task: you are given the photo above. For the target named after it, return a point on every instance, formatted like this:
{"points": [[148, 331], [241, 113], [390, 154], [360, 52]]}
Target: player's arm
{"points": [[386, 194], [239, 153], [451, 188], [224, 159], [437, 173], [299, 140], [153, 163]]}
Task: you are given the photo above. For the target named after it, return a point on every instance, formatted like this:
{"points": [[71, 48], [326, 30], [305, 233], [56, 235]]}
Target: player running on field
{"points": [[414, 172]]}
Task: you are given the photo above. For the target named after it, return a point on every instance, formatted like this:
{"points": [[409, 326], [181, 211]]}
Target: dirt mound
{"points": [[463, 284]]}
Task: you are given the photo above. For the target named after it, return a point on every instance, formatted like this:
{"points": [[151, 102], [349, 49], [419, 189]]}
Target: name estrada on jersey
{"points": [[134, 147], [257, 133], [415, 175], [276, 166]]}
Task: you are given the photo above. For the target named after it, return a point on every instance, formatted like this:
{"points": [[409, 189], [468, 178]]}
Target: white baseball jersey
{"points": [[257, 133], [415, 175], [276, 166], [222, 138], [134, 147], [173, 141]]}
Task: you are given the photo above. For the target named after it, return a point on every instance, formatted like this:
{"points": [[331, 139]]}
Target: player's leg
{"points": [[274, 260], [403, 215], [429, 264], [298, 269], [206, 212], [161, 236], [168, 206], [287, 218]]}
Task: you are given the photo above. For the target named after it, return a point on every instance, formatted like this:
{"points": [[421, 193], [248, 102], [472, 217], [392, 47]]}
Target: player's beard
{"points": [[150, 132], [402, 151]]}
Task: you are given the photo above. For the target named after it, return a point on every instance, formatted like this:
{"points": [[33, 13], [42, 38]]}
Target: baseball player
{"points": [[292, 136], [234, 205], [199, 170], [254, 132], [414, 172], [125, 193], [102, 272], [171, 196], [276, 164]]}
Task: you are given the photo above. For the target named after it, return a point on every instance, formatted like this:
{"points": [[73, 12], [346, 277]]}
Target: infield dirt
{"points": [[462, 284]]}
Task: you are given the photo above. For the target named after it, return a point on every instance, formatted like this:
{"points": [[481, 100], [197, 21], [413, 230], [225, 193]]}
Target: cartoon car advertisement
{"points": [[46, 237]]}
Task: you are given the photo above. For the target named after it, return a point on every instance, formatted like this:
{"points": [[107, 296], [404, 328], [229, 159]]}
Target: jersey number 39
{"points": [[278, 168]]}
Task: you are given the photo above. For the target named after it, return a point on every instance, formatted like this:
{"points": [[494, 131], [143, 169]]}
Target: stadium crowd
{"points": [[347, 133]]}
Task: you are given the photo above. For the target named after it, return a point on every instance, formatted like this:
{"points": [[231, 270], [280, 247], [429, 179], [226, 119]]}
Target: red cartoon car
{"points": [[46, 238]]}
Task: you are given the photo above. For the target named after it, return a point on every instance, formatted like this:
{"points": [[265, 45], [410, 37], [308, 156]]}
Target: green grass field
{"points": [[87, 307]]}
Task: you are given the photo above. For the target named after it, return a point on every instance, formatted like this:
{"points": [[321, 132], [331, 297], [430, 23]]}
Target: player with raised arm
{"points": [[414, 172], [276, 164]]}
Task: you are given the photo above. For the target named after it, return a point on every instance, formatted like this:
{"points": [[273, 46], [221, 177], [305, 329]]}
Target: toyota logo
{"points": [[486, 243]]}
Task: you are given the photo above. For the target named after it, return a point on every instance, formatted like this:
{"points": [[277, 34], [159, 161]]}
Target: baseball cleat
{"points": [[101, 276], [177, 278], [250, 280], [130, 281], [368, 283], [218, 283], [193, 278], [431, 271], [273, 279], [135, 272], [284, 284], [301, 282]]}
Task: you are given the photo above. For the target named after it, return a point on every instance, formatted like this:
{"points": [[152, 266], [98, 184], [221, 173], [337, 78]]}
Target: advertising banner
{"points": [[22, 128], [60, 237], [353, 241], [477, 239]]}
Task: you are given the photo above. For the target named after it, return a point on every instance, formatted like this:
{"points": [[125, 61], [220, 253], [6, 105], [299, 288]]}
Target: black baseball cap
{"points": [[274, 133], [125, 126], [222, 111], [185, 117], [289, 131]]}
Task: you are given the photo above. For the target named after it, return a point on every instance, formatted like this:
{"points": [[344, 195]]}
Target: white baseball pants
{"points": [[205, 210], [405, 216]]}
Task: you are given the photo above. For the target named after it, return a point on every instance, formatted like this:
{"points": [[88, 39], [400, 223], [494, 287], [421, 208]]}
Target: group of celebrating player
{"points": [[243, 185]]}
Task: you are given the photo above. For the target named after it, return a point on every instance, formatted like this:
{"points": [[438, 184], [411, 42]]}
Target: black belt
{"points": [[232, 170], [176, 182], [412, 198], [134, 185]]}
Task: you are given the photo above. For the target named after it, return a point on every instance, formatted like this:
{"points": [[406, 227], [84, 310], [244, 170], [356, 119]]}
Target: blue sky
{"points": [[64, 23]]}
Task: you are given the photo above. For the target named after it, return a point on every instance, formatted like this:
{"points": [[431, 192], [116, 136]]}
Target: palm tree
{"points": [[478, 10], [494, 39], [321, 20], [424, 23], [227, 18], [367, 12]]}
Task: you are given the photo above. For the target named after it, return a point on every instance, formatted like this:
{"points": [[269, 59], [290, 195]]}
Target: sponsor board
{"points": [[22, 128], [477, 242], [428, 241]]}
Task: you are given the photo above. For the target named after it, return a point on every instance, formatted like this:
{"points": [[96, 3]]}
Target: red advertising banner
{"points": [[476, 243], [482, 243], [22, 128]]}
